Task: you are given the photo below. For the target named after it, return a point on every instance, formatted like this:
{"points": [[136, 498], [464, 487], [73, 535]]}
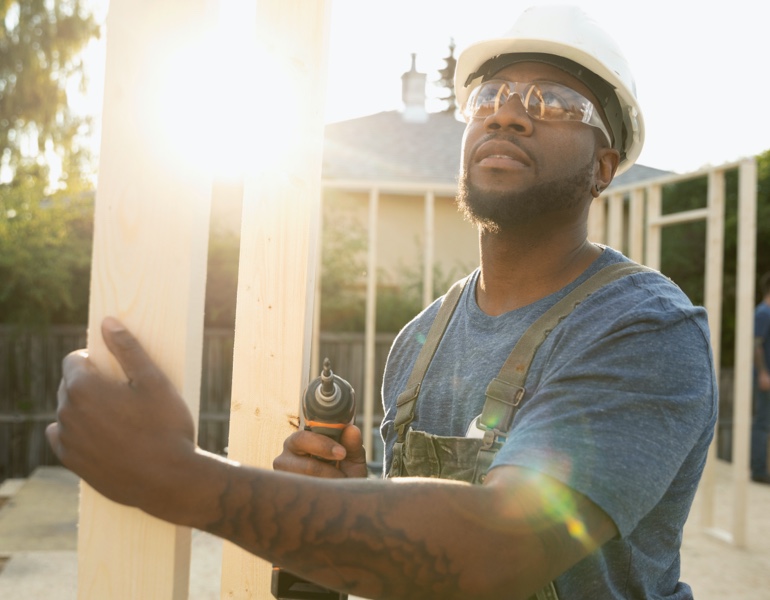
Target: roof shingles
{"points": [[384, 147]]}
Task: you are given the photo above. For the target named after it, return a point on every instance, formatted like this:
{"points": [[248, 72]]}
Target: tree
{"points": [[45, 254], [45, 238], [40, 60], [343, 274], [447, 79], [343, 281], [222, 278]]}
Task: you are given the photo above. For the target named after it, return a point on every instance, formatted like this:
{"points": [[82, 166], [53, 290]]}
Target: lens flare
{"points": [[561, 507]]}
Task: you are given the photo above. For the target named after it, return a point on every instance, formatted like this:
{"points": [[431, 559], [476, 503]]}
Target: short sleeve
{"points": [[624, 393]]}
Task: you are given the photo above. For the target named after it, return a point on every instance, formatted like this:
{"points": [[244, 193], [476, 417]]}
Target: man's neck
{"points": [[517, 270]]}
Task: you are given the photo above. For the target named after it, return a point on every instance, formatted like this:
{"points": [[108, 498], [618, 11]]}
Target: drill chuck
{"points": [[328, 403]]}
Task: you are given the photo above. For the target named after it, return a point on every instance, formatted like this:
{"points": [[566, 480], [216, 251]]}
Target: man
{"points": [[582, 493], [760, 425]]}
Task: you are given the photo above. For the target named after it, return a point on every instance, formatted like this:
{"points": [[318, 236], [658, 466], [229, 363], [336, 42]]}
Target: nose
{"points": [[511, 115]]}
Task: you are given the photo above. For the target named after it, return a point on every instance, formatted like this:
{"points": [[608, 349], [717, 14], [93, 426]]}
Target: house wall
{"points": [[401, 232]]}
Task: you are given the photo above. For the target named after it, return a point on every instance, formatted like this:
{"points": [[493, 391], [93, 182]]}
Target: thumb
{"points": [[52, 434], [352, 440], [131, 356]]}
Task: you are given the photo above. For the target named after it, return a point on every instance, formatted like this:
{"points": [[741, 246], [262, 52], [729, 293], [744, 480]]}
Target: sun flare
{"points": [[226, 103]]}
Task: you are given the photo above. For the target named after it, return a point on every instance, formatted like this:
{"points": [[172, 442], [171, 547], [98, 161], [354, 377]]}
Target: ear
{"points": [[607, 160]]}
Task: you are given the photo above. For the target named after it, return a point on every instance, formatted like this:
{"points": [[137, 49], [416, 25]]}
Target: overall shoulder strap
{"points": [[407, 400], [505, 392]]}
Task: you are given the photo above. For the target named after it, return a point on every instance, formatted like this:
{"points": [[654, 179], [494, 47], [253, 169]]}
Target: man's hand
{"points": [[130, 440], [302, 449]]}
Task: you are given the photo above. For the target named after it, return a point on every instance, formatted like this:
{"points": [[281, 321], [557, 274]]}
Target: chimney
{"points": [[413, 94]]}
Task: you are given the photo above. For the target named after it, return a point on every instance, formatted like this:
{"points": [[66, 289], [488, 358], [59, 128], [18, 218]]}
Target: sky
{"points": [[700, 67]]}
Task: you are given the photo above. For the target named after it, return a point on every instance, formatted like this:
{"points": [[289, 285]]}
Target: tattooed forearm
{"points": [[383, 539]]}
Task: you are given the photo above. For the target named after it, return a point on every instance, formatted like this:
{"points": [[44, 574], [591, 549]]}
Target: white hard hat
{"points": [[568, 38]]}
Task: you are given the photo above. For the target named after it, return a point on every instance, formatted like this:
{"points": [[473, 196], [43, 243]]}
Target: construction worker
{"points": [[562, 466]]}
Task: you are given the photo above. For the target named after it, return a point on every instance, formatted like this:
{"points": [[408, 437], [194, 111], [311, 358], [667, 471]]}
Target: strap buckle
{"points": [[501, 405]]}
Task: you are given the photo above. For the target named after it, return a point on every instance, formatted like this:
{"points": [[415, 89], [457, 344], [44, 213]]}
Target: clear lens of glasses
{"points": [[543, 100]]}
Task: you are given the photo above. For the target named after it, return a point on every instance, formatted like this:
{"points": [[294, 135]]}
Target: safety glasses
{"points": [[543, 101]]}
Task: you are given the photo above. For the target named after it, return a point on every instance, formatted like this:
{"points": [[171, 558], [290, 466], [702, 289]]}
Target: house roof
{"points": [[387, 147], [636, 174]]}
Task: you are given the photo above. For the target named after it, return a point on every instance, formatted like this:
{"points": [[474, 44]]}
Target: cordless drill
{"points": [[328, 405]]}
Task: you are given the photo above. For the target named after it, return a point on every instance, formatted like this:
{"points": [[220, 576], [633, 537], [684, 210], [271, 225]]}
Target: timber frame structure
{"points": [[149, 270]]}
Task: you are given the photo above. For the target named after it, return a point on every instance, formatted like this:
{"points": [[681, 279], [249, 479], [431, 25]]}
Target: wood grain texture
{"points": [[277, 272], [149, 265]]}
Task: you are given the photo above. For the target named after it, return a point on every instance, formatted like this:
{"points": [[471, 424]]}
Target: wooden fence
{"points": [[30, 371]]}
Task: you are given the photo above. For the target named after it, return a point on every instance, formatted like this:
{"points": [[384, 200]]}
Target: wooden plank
{"points": [[597, 220], [280, 217], [149, 264], [429, 248], [315, 344], [715, 235], [636, 226], [652, 249], [685, 216], [371, 318], [615, 222], [744, 343]]}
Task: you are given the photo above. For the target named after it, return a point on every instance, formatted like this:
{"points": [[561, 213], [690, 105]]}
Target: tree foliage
{"points": [[343, 283], [40, 58], [222, 278], [45, 254], [447, 79]]}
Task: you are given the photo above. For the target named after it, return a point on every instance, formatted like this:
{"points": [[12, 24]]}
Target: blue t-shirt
{"points": [[621, 406]]}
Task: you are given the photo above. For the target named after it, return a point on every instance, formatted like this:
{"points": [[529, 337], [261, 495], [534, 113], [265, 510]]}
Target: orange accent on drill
{"points": [[328, 404]]}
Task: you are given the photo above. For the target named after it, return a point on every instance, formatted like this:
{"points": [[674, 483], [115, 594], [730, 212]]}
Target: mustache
{"points": [[498, 136]]}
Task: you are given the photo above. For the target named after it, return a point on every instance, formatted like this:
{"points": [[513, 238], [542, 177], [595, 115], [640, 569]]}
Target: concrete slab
{"points": [[9, 487], [42, 514], [53, 574], [46, 507], [44, 574], [715, 568], [205, 566]]}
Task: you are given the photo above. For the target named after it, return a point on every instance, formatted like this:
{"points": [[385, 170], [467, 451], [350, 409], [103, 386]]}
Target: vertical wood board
{"points": [[371, 317], [597, 220], [636, 226], [652, 248], [429, 250], [744, 344], [615, 222], [715, 234], [149, 262], [276, 272]]}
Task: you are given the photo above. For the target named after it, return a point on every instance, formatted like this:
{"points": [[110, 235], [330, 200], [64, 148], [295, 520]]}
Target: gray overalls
{"points": [[420, 454]]}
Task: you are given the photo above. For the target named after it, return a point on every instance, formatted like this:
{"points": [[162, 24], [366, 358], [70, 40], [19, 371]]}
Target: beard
{"points": [[499, 210]]}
